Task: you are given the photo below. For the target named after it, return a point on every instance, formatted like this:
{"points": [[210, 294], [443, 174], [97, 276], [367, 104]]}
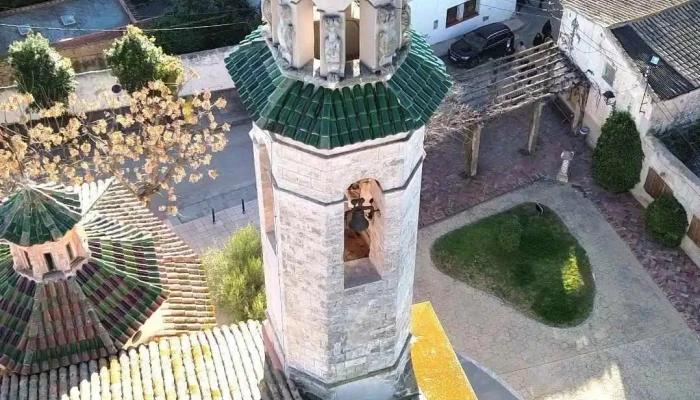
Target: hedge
{"points": [[618, 156], [666, 220]]}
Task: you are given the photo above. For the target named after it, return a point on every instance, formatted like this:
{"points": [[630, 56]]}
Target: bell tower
{"points": [[339, 92]]}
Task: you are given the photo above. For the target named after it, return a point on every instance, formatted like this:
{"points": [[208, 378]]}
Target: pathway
{"points": [[202, 234], [634, 346]]}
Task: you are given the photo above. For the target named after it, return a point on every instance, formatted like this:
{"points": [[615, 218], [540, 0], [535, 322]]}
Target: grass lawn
{"points": [[529, 260]]}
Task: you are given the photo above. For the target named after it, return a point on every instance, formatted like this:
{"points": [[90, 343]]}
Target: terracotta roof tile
{"points": [[223, 363], [672, 35], [611, 12], [188, 306], [135, 265]]}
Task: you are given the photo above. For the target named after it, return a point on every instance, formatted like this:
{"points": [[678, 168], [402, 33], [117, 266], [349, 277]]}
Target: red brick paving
{"points": [[503, 168]]}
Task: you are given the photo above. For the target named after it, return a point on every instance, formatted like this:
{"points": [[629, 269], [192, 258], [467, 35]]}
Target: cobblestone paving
{"points": [[633, 346], [503, 168]]}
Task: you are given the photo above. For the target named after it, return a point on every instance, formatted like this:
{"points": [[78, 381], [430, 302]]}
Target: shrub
{"points": [[617, 159], [236, 276], [510, 233], [666, 220], [40, 71], [135, 60]]}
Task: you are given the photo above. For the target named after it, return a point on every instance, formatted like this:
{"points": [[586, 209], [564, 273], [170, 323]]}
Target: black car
{"points": [[488, 42]]}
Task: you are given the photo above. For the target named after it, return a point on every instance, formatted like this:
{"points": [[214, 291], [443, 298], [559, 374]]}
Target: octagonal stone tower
{"points": [[339, 92]]}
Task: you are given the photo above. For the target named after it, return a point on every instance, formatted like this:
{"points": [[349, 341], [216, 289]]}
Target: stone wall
{"points": [[682, 181], [331, 334]]}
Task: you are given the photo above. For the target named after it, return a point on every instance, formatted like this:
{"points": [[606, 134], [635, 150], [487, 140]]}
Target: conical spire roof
{"points": [[37, 214]]}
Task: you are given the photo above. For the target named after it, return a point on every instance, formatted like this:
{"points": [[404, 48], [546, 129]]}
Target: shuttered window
{"points": [[655, 184]]}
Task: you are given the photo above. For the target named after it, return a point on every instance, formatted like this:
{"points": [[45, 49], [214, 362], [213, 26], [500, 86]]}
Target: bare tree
{"points": [[155, 143]]}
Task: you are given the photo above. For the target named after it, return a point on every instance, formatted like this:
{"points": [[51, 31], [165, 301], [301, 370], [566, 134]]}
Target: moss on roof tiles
{"points": [[330, 118]]}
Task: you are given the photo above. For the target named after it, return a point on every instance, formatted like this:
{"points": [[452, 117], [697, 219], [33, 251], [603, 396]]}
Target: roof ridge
{"points": [[35, 214]]}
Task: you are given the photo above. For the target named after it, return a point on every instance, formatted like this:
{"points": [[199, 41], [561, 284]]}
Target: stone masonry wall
{"points": [[684, 183], [388, 161], [328, 332]]}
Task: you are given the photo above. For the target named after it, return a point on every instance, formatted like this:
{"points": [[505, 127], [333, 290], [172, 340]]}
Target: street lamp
{"points": [[653, 62]]}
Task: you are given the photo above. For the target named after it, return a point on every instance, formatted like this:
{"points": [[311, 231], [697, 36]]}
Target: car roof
{"points": [[490, 29]]}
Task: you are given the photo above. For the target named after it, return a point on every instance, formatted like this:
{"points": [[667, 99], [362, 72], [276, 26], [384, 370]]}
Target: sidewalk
{"points": [[633, 346], [201, 234]]}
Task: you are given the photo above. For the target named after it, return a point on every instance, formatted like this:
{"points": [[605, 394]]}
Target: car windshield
{"points": [[475, 39]]}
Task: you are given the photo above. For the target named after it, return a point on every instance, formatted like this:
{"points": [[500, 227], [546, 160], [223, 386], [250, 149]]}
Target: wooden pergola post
{"points": [[580, 97], [472, 146], [534, 128]]}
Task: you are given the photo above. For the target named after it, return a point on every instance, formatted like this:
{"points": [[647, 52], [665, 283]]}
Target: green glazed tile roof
{"points": [[329, 118], [223, 363], [38, 214], [136, 267], [70, 319]]}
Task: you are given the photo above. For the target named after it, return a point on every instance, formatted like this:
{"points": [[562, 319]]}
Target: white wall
{"points": [[592, 46], [425, 12], [677, 111]]}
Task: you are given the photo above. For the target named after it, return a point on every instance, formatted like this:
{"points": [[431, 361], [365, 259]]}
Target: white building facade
{"points": [[615, 50], [592, 45], [443, 20]]}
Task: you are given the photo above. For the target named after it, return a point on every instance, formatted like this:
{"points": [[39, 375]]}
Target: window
{"points": [[694, 231], [29, 262], [609, 74], [461, 12], [655, 185], [498, 38], [50, 266], [69, 250]]}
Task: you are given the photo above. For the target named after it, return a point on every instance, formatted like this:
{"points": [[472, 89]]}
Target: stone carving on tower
{"points": [[333, 46], [287, 32], [405, 24], [387, 42], [266, 10], [338, 144]]}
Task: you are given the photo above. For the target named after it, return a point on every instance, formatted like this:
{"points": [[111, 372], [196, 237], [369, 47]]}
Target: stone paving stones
{"points": [[633, 346]]}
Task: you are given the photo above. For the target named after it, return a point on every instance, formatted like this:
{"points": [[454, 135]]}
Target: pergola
{"points": [[531, 76]]}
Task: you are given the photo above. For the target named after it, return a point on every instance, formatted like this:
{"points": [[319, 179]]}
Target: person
{"points": [[521, 46], [541, 1], [520, 4], [547, 30], [539, 39]]}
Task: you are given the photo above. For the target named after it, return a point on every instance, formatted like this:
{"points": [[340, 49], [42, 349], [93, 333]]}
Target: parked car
{"points": [[488, 42]]}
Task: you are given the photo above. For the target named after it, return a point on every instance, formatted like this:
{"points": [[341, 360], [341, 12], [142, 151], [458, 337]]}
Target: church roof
{"points": [[136, 267], [328, 118], [38, 214], [223, 363]]}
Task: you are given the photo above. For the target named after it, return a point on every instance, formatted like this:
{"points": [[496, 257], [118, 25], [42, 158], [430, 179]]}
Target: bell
{"points": [[358, 222]]}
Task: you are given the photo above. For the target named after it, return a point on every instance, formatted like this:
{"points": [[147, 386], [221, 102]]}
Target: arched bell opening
{"points": [[364, 232]]}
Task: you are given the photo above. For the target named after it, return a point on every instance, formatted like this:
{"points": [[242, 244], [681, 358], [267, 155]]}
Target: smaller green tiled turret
{"points": [[37, 214]]}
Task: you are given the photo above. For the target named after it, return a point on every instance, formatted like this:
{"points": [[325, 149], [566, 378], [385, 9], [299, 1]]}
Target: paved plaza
{"points": [[202, 233], [634, 345]]}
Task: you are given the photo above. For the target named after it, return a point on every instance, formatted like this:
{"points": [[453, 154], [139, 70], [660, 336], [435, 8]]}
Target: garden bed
{"points": [[527, 258]]}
